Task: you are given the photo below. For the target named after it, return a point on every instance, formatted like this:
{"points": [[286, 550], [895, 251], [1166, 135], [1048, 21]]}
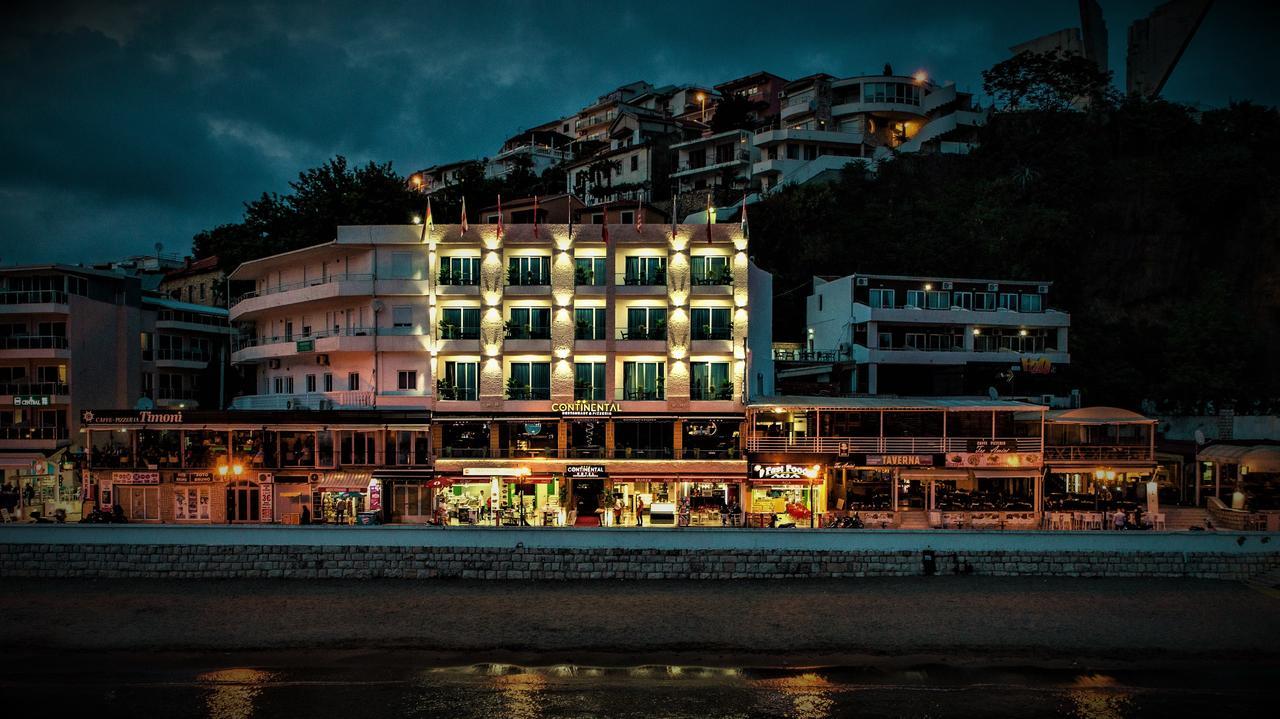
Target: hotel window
{"points": [[915, 340], [460, 323], [627, 217], [939, 342], [407, 380], [710, 380], [1009, 301], [140, 503], [401, 265], [288, 330], [288, 384], [962, 299], [985, 301], [711, 323], [589, 271], [643, 380], [646, 323], [938, 299], [529, 271], [1030, 303], [635, 163], [402, 318], [589, 381], [885, 340], [460, 271], [915, 298], [529, 380], [710, 270], [882, 298], [529, 323], [328, 381], [311, 383], [589, 323], [645, 271], [358, 448], [353, 381], [459, 381], [148, 346], [277, 385]]}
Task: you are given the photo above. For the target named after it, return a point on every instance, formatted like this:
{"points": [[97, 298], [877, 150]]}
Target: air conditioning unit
{"points": [[947, 285], [1046, 400], [993, 287], [861, 281], [322, 360], [273, 364], [265, 477], [1043, 289]]}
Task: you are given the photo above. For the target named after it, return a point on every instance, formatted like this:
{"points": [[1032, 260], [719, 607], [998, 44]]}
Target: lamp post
{"points": [[702, 101]]}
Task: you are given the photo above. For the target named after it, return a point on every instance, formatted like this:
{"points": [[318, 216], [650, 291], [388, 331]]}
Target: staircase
{"points": [[1180, 519], [913, 520]]}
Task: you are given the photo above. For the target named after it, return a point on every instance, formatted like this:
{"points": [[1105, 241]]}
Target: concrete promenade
{"points": [[800, 540]]}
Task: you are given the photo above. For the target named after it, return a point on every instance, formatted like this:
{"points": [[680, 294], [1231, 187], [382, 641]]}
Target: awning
{"points": [[1262, 459], [933, 474], [340, 481], [1226, 453], [780, 482], [21, 460]]}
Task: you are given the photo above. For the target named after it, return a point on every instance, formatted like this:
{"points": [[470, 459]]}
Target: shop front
{"points": [[339, 497], [39, 485], [786, 493]]}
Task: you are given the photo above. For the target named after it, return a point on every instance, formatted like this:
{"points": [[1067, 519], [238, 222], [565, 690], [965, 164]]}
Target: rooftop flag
{"points": [[639, 216], [604, 224], [499, 217], [745, 234], [464, 214], [535, 217]]}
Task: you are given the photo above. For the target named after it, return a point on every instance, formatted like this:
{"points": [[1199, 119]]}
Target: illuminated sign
{"points": [[101, 417], [193, 477], [583, 408], [586, 471], [700, 429], [899, 460], [1037, 365], [994, 460], [495, 471], [785, 471], [306, 346], [31, 400], [135, 478]]}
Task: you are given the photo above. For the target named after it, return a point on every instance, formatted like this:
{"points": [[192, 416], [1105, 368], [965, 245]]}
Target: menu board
{"points": [[267, 505], [191, 504]]}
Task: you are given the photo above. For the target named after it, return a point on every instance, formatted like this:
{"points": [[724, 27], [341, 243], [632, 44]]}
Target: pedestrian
{"points": [[639, 512], [305, 518], [1119, 519]]}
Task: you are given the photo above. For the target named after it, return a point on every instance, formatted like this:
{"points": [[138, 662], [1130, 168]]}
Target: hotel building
{"points": [[74, 338], [929, 336], [540, 377]]}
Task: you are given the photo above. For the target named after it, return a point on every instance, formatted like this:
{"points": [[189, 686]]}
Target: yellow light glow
{"points": [[1099, 474], [237, 470], [417, 220], [928, 286], [1022, 332], [562, 352], [677, 352], [491, 350], [223, 469], [679, 297], [977, 331], [921, 76]]}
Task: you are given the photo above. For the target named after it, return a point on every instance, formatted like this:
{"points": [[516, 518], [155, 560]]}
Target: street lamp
{"points": [[702, 100]]}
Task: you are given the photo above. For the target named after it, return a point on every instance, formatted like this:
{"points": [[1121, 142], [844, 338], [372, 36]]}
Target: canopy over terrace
{"points": [[1250, 473]]}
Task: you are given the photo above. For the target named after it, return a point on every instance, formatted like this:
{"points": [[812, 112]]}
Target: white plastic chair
{"points": [[1157, 521]]}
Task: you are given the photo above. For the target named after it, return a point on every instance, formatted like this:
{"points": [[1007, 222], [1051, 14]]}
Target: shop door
{"points": [[586, 496], [243, 502]]}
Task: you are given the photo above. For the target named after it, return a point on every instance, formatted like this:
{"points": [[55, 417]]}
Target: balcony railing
{"points": [[455, 393], [527, 393], [1099, 453], [720, 278], [590, 394], [641, 394], [288, 286], [729, 453], [33, 342], [40, 388], [453, 332], [36, 433], [784, 355], [33, 297], [705, 332], [245, 342], [587, 332], [308, 400], [710, 393], [879, 445], [447, 278], [528, 332], [643, 333], [656, 278], [191, 318], [183, 355]]}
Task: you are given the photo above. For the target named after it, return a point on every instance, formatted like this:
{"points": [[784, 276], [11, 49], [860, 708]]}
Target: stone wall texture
{"points": [[362, 562]]}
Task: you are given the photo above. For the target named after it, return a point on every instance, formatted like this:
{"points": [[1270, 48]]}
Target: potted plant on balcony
{"points": [[659, 331], [448, 330], [582, 330], [721, 275], [581, 276], [513, 275], [517, 390], [725, 390], [444, 390], [581, 390], [446, 275]]}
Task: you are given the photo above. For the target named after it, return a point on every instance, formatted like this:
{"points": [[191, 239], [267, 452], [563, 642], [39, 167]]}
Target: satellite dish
{"points": [[144, 403], [993, 393], [1200, 436]]}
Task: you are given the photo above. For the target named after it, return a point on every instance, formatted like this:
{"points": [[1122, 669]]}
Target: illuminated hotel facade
{"points": [[534, 375]]}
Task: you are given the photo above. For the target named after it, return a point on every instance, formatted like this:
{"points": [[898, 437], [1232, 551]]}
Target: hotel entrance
{"points": [[588, 497]]}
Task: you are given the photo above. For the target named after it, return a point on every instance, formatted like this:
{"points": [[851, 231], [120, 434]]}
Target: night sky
{"points": [[145, 122]]}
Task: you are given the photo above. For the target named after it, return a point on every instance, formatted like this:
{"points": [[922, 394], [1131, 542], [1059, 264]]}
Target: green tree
{"points": [[736, 112], [1052, 81]]}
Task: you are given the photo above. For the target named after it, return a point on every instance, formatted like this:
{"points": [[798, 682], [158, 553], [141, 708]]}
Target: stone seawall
{"points": [[439, 562]]}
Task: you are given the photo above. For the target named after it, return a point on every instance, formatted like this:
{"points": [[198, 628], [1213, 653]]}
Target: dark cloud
{"points": [[134, 123]]}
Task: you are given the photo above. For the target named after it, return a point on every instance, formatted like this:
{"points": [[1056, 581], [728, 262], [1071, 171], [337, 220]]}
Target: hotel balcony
{"points": [[274, 297], [35, 347], [885, 445], [37, 302], [645, 284], [960, 316], [355, 339], [310, 400], [182, 359], [26, 437], [919, 356], [179, 398], [191, 322], [1089, 455], [57, 392]]}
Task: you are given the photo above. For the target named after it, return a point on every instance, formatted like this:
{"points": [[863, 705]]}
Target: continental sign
{"points": [[586, 409]]}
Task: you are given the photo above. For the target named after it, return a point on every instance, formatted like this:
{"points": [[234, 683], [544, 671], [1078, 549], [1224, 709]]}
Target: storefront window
{"points": [[112, 448], [586, 439], [297, 449], [247, 446], [644, 440], [913, 424], [711, 439], [850, 424], [324, 449], [140, 503], [464, 439], [358, 448], [421, 448], [203, 448], [409, 502], [529, 439], [861, 490], [786, 504], [191, 504], [158, 448]]}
